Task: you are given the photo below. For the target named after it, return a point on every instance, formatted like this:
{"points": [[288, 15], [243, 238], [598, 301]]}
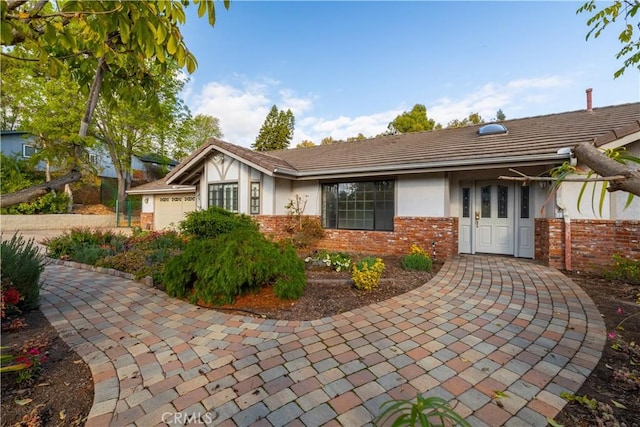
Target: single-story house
{"points": [[439, 189]]}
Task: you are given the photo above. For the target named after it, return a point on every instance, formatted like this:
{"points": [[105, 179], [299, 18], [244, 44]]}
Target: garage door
{"points": [[171, 209]]}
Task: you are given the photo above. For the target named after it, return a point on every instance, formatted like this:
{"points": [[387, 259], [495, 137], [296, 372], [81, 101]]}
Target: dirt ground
{"points": [[62, 394]]}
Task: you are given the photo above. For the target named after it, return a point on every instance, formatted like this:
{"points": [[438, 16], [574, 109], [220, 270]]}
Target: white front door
{"points": [[494, 217]]}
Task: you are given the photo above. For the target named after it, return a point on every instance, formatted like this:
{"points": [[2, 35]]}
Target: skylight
{"points": [[492, 129]]}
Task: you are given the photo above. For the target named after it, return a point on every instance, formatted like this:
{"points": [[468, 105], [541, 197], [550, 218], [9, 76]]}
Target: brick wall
{"points": [[146, 220], [443, 232], [592, 242]]}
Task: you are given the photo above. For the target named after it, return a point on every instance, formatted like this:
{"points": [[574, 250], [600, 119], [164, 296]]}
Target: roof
{"points": [[147, 158], [160, 186], [532, 140]]}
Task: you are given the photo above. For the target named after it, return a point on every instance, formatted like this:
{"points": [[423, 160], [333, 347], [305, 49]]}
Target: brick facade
{"points": [[439, 235], [593, 242], [146, 220]]}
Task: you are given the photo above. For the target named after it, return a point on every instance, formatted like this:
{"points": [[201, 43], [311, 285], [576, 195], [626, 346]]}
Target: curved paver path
{"points": [[482, 324]]}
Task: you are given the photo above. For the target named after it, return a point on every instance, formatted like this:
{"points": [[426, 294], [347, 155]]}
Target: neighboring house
{"points": [[21, 145], [439, 189]]}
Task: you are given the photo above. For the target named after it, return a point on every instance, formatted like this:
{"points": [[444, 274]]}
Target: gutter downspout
{"points": [[567, 230]]}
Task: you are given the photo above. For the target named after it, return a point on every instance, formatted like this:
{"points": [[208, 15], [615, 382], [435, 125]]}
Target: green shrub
{"points": [[81, 240], [338, 261], [90, 254], [21, 265], [367, 272], [50, 203], [417, 262], [216, 271], [213, 222], [625, 269]]}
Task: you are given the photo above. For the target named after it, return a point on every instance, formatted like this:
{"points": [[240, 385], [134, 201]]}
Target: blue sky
{"points": [[345, 68]]}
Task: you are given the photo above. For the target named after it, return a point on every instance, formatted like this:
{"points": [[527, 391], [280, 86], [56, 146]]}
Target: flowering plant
{"points": [[8, 299]]}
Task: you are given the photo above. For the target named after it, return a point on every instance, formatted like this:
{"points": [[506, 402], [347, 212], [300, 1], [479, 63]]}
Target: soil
{"points": [[64, 388], [61, 394]]}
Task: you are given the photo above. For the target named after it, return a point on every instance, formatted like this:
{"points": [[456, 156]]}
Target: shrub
{"points": [[50, 203], [367, 272], [625, 269], [308, 232], [214, 222], [21, 265], [145, 254], [416, 262], [215, 271], [335, 260], [90, 254], [68, 244]]}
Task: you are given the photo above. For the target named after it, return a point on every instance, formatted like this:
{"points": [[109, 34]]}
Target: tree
{"points": [[276, 131], [327, 140], [500, 115], [412, 121], [122, 125], [473, 119], [105, 43], [601, 19], [196, 131], [358, 137], [305, 144]]}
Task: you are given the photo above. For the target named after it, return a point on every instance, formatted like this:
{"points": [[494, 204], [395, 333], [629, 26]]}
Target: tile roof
{"points": [[528, 139], [160, 186]]}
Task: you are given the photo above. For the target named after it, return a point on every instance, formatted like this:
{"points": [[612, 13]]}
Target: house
{"points": [[439, 189], [144, 168]]}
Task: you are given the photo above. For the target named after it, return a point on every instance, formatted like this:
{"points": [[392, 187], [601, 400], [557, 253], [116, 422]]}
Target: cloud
{"points": [[243, 106], [511, 97]]}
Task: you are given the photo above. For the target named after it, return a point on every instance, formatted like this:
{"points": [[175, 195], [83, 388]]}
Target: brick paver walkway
{"points": [[483, 324]]}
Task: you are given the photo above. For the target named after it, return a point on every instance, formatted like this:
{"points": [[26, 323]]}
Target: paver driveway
{"points": [[483, 324]]}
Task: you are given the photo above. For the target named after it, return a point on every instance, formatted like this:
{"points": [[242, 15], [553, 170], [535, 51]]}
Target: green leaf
{"points": [[125, 30], [553, 423], [172, 45], [603, 196], [618, 404]]}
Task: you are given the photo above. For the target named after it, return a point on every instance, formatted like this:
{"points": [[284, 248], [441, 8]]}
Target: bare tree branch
{"points": [[36, 191]]}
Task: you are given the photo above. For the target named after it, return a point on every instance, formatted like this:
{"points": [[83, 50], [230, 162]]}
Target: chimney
{"points": [[589, 100]]}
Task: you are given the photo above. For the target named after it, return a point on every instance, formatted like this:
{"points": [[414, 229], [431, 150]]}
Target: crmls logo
{"points": [[196, 418]]}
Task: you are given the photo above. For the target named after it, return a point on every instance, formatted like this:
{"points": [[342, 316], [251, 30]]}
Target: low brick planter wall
{"points": [[55, 222]]}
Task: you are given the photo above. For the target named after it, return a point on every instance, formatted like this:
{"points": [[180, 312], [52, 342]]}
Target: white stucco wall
{"points": [[613, 207], [147, 203], [311, 192], [422, 195], [283, 193]]}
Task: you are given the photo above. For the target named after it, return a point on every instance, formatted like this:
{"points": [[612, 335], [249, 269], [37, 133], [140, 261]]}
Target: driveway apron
{"points": [[483, 325]]}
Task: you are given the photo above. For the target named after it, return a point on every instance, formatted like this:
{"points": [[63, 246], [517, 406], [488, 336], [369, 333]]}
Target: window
{"points": [[254, 203], [28, 150], [485, 201], [224, 196], [466, 202], [503, 201], [359, 205], [93, 159], [524, 202]]}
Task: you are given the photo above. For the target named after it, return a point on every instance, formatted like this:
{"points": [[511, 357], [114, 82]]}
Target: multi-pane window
{"points": [[503, 201], [224, 196], [466, 202], [254, 203], [366, 205], [524, 202], [28, 150]]}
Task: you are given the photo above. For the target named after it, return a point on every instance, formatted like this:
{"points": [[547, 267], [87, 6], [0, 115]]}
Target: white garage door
{"points": [[170, 209]]}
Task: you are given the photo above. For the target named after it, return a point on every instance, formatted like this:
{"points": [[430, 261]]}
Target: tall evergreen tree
{"points": [[276, 131]]}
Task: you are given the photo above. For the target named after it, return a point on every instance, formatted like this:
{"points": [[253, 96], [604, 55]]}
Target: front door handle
{"points": [[477, 218]]}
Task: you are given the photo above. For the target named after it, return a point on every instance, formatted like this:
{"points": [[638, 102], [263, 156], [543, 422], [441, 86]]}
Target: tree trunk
{"points": [[39, 190], [588, 154], [28, 194], [122, 188]]}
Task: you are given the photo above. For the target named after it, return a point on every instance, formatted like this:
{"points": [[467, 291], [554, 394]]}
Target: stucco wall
{"points": [[55, 222]]}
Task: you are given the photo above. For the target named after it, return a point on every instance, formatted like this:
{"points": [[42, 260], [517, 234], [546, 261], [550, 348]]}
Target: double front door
{"points": [[495, 218]]}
